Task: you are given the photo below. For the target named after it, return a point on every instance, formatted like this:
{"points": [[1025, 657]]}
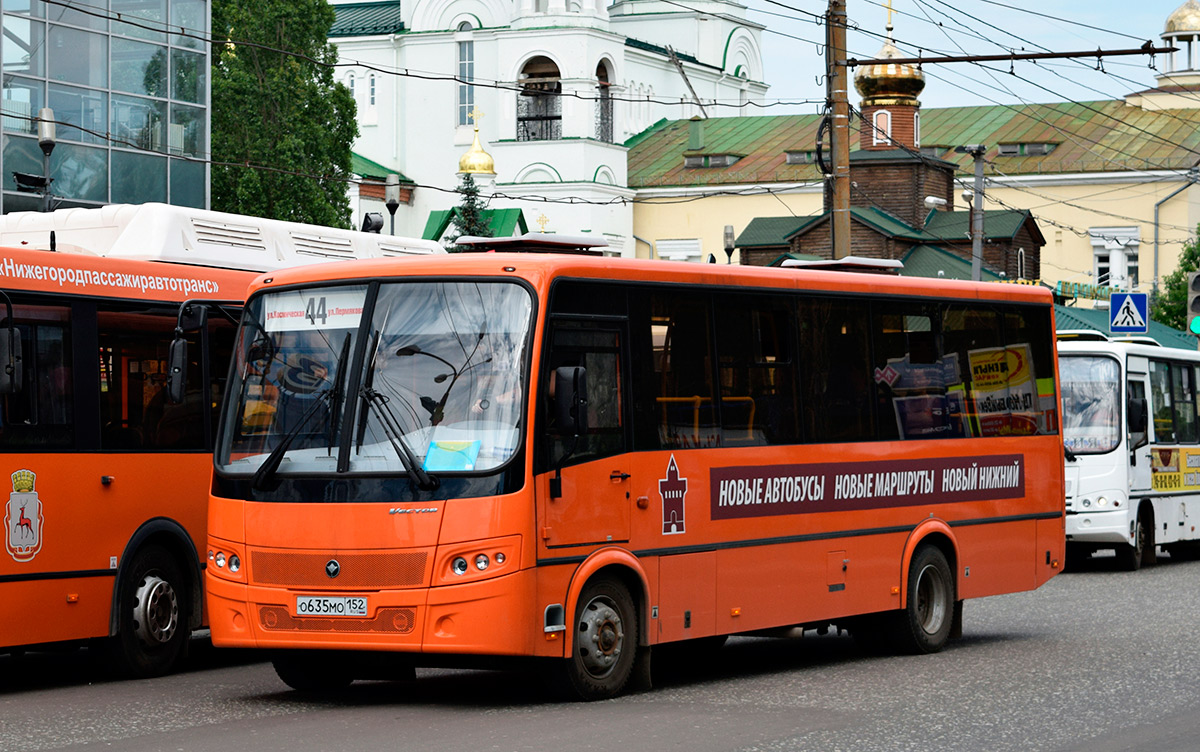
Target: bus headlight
{"points": [[461, 563], [234, 563], [1101, 501], [220, 559]]}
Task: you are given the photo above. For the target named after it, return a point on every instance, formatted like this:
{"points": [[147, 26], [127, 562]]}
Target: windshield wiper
{"points": [[264, 477], [1071, 456], [338, 393], [391, 429]]}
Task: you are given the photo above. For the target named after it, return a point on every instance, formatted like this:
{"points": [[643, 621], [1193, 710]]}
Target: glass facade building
{"points": [[128, 81]]}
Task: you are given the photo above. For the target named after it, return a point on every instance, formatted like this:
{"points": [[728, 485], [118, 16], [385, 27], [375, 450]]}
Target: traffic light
{"points": [[1192, 313]]}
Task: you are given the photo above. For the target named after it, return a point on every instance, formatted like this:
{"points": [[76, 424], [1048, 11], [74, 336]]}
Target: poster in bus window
{"points": [[924, 399], [1175, 469], [1004, 390]]}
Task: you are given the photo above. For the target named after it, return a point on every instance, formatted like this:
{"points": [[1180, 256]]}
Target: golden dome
{"points": [[477, 161], [890, 83], [1185, 18]]}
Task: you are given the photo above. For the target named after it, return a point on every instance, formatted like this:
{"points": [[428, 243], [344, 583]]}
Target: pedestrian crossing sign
{"points": [[1128, 313]]}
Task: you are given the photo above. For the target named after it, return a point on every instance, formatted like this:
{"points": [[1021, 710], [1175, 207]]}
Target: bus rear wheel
{"points": [[925, 623], [605, 641], [313, 671], [153, 615]]}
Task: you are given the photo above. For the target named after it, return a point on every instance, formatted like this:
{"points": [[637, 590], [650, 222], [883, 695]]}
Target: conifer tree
{"points": [[468, 215]]}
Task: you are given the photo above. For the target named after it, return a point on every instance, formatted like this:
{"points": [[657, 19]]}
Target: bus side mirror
{"points": [[570, 400], [11, 356], [1137, 415], [177, 370]]}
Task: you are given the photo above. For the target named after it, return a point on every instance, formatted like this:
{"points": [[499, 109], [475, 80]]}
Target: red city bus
{"points": [[110, 479], [486, 456]]}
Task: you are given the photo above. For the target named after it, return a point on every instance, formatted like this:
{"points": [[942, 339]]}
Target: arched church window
{"points": [[882, 130], [604, 105], [539, 103], [466, 75]]}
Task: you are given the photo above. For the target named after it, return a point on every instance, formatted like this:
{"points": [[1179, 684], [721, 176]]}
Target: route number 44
{"points": [[316, 310]]}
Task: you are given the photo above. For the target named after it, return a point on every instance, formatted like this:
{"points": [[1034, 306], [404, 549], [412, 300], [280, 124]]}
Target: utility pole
{"points": [[838, 78], [976, 151]]}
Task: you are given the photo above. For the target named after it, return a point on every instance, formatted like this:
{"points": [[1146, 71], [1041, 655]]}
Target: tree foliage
{"points": [[1169, 304], [468, 218], [280, 111]]}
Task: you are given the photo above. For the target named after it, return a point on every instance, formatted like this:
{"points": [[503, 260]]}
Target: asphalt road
{"points": [[1096, 660]]}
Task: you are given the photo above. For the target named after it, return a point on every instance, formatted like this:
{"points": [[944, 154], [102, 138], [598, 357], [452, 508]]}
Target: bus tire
{"points": [[605, 642], [313, 671], [154, 613], [1130, 557], [925, 623]]}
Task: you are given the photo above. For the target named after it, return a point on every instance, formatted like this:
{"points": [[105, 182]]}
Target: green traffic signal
{"points": [[1194, 325]]}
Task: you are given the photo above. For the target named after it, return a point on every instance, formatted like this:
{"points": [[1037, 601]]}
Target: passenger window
{"points": [[1161, 408], [1184, 393], [135, 414], [683, 372], [756, 371], [598, 351], [835, 379], [41, 414], [919, 385]]}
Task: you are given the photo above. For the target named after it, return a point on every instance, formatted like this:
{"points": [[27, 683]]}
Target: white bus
{"points": [[1132, 444]]}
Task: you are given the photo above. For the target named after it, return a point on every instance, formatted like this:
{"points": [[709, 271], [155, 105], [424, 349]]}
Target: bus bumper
{"points": [[488, 617], [1098, 527]]}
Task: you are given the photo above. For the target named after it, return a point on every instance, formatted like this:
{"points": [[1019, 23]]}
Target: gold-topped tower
{"points": [[476, 161]]}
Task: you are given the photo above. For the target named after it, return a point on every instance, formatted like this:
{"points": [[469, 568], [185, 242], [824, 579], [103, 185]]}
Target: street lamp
{"points": [[391, 192], [728, 244], [47, 137]]}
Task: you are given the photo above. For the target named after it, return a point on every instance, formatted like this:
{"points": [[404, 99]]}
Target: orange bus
{"points": [[486, 456], [109, 479]]}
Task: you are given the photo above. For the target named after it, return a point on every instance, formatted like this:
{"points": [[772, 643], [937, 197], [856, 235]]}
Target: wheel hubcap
{"points": [[932, 597], [156, 611], [601, 636]]}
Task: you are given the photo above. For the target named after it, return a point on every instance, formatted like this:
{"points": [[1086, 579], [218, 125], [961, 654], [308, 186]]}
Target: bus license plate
{"points": [[310, 605]]}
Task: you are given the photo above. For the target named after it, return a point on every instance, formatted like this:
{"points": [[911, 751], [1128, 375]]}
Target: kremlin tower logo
{"points": [[673, 491], [23, 518]]}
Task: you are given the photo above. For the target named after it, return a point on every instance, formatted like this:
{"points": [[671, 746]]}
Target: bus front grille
{"points": [[388, 620], [376, 571]]}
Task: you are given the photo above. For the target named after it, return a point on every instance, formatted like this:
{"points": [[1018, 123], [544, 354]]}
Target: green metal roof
{"points": [[997, 223], [766, 232], [363, 167], [931, 261], [367, 19], [1099, 136], [1096, 319], [638, 44], [503, 223]]}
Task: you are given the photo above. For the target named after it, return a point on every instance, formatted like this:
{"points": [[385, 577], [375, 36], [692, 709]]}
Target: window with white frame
{"points": [[466, 74], [882, 130], [1115, 256]]}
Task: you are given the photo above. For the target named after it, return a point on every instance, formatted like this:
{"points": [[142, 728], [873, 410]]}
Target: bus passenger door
{"points": [[1139, 444], [591, 472]]}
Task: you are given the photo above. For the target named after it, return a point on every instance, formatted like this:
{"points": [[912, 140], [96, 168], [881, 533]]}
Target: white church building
{"points": [[556, 87]]}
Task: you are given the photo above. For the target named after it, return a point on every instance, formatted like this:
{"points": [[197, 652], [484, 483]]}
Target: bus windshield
{"points": [[1091, 389], [440, 389]]}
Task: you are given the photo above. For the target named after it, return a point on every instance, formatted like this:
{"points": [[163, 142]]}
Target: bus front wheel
{"points": [[153, 615], [605, 641], [1131, 556], [925, 623]]}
